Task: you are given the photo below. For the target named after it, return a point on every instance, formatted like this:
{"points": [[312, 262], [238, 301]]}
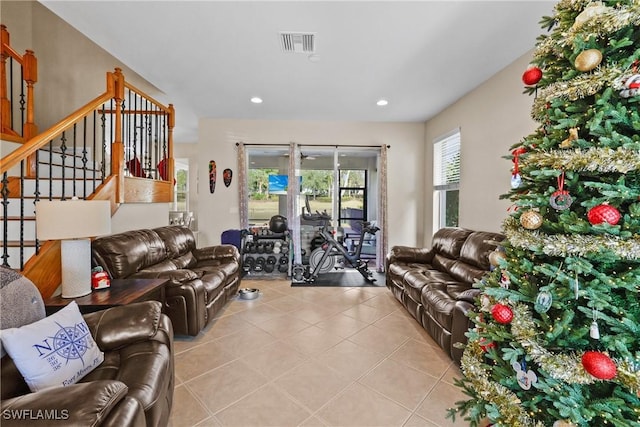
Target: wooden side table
{"points": [[121, 292]]}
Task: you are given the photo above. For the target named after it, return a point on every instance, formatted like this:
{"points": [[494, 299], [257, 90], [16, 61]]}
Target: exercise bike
{"points": [[324, 258]]}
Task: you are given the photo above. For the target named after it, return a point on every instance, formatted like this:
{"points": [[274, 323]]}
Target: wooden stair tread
{"points": [[25, 243]]}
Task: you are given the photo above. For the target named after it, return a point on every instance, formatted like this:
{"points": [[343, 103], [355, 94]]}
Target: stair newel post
{"points": [[117, 146], [170, 124], [29, 128], [5, 104], [30, 67]]}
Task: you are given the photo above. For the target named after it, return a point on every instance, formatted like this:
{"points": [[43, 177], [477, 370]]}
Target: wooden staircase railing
{"points": [[12, 93], [117, 147]]}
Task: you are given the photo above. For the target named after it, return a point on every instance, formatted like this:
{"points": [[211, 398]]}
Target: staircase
{"points": [[117, 147], [60, 178]]}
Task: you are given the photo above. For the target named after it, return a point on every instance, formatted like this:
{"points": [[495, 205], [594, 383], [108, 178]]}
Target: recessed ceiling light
{"points": [[382, 102], [256, 100]]}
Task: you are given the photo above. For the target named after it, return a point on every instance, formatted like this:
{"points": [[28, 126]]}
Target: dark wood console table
{"points": [[121, 292]]}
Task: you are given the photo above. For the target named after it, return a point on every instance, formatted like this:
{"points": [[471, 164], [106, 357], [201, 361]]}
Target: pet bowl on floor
{"points": [[248, 293]]}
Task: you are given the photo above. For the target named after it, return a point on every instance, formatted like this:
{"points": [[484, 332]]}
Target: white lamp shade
{"points": [[72, 219]]}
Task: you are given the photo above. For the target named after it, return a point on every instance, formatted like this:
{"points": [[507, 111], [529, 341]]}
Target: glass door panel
{"points": [[267, 181]]}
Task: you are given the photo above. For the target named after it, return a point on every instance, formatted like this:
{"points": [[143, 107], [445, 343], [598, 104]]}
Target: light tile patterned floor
{"points": [[307, 356]]}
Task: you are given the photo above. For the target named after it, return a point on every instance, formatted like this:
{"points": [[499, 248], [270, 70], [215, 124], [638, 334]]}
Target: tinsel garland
{"points": [[505, 400], [593, 159], [565, 367], [605, 23], [580, 87], [563, 245]]}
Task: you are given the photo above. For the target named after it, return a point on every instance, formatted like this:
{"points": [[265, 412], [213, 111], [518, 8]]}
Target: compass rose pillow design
{"points": [[55, 351]]}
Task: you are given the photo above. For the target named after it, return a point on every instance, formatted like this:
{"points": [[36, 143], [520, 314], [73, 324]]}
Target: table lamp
{"points": [[73, 222]]}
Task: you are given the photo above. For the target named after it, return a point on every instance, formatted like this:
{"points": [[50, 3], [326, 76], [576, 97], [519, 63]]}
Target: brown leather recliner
{"points": [[435, 285], [201, 280], [133, 386]]}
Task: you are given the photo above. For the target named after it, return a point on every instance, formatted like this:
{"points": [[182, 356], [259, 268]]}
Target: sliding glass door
{"points": [[341, 182]]}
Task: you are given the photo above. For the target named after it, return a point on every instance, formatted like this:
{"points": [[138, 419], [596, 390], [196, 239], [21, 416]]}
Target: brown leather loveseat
{"points": [[133, 386], [435, 285], [201, 280]]}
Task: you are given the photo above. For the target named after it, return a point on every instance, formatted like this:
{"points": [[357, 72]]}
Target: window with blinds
{"points": [[446, 180], [446, 158]]}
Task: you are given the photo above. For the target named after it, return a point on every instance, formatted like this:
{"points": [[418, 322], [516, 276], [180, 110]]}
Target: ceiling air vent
{"points": [[298, 42]]}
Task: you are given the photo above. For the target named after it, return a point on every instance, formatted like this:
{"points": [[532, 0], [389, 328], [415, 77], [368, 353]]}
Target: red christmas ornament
{"points": [[502, 313], [603, 213], [485, 344], [532, 76], [599, 365]]}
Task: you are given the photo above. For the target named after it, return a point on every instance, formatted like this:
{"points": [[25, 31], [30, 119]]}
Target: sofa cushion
{"points": [[415, 280], [124, 254], [226, 269], [449, 241], [55, 351], [178, 240], [439, 299], [185, 261], [466, 273], [397, 270], [477, 247], [443, 263]]}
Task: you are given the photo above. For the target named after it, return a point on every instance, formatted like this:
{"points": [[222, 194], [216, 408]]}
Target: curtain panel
{"points": [[381, 240]]}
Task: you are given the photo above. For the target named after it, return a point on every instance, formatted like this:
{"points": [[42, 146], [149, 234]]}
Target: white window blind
{"points": [[446, 162]]}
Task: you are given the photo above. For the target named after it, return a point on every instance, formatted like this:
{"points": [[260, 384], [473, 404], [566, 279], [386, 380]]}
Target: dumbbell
{"points": [[260, 263], [271, 264], [268, 248], [260, 248], [248, 264]]}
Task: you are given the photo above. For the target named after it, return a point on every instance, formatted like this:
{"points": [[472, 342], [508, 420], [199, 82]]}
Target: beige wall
{"points": [[217, 141], [491, 118]]}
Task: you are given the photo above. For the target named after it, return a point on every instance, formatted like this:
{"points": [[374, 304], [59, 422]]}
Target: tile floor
{"points": [[326, 356]]}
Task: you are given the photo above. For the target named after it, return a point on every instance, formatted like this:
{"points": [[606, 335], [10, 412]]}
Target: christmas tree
{"points": [[556, 340]]}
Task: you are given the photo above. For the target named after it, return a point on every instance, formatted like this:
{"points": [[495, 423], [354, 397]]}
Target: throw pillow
{"points": [[55, 351]]}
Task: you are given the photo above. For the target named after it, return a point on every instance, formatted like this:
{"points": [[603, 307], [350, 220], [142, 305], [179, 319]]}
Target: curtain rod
{"points": [[312, 145]]}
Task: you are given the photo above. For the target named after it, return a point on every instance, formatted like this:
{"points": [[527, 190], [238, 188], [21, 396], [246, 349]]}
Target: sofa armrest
{"points": [[410, 254], [82, 404], [469, 295], [460, 322], [217, 253], [123, 325]]}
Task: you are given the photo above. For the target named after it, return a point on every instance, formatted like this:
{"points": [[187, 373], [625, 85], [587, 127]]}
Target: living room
{"points": [[301, 354]]}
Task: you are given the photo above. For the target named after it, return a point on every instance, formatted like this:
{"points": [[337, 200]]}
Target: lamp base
{"points": [[76, 268]]}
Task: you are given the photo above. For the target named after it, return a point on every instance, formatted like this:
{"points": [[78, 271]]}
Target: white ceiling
{"points": [[211, 57]]}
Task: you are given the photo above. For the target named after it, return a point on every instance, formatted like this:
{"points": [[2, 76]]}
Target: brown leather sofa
{"points": [[435, 285], [133, 386], [201, 280]]}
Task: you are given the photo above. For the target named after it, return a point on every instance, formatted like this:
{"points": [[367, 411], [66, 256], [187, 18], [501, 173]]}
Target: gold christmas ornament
{"points": [[531, 220], [495, 257], [588, 60], [573, 135], [591, 11], [562, 423]]}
